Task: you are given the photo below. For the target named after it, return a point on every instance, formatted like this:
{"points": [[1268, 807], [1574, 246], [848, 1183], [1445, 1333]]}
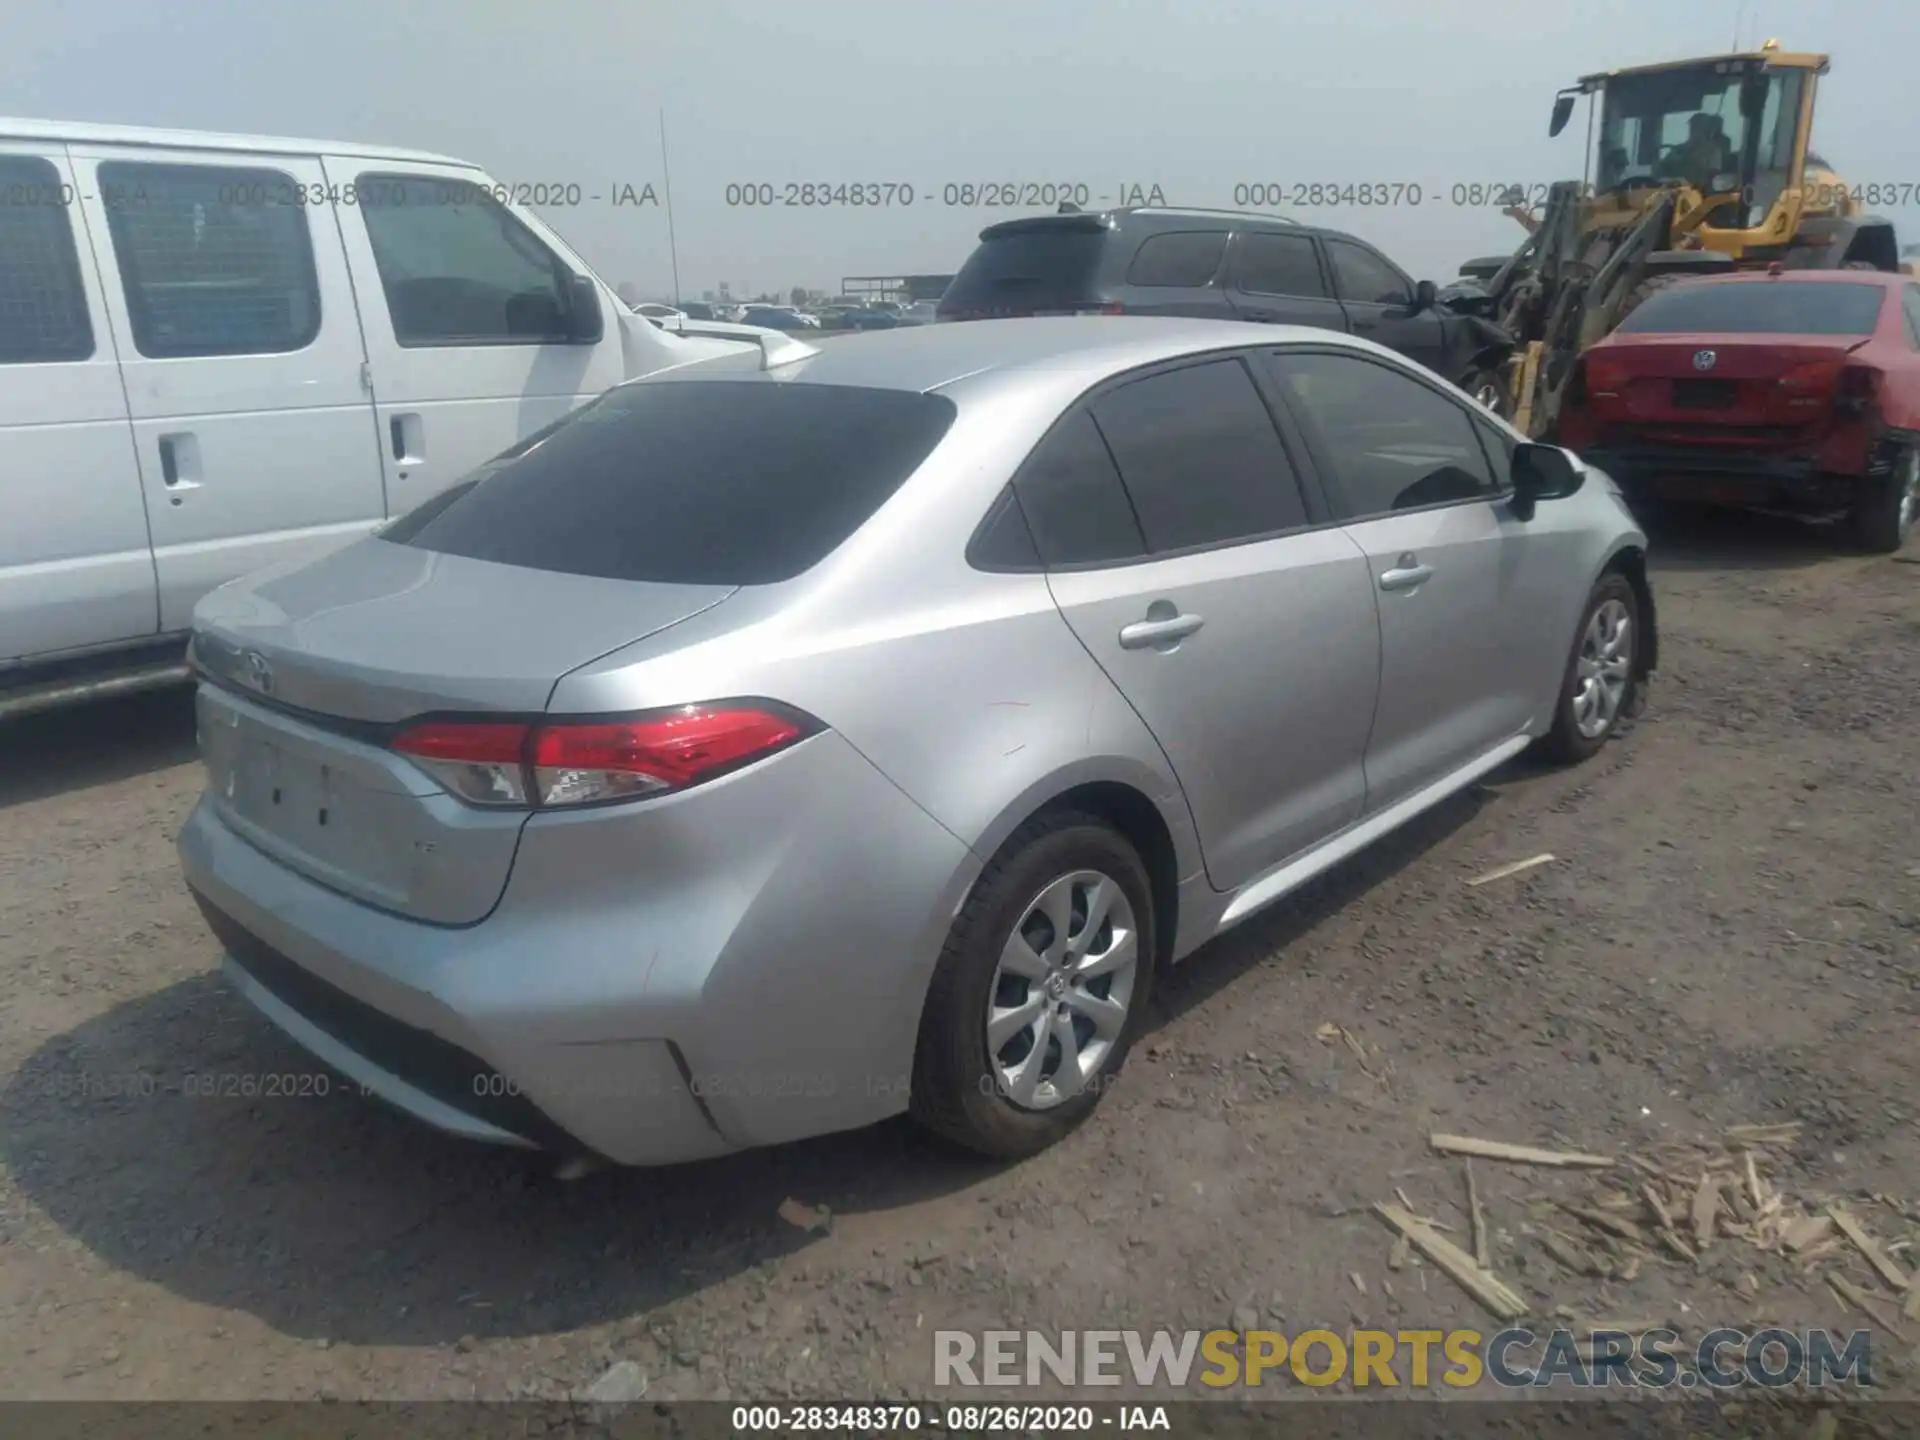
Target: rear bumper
{"points": [[1788, 477], [739, 966]]}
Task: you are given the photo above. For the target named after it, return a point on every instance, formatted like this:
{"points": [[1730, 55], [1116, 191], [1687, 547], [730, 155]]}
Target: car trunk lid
{"points": [[310, 672], [1719, 382]]}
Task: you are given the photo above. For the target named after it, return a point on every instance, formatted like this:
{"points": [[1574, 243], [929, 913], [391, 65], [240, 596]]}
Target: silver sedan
{"points": [[787, 741]]}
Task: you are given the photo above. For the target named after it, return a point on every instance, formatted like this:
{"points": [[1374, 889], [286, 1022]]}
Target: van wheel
{"points": [[1883, 518], [1039, 991], [1601, 685]]}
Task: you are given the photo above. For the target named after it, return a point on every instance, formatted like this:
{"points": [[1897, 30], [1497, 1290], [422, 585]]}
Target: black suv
{"points": [[1224, 265]]}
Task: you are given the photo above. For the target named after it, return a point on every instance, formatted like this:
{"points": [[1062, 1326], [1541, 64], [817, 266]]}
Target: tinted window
{"points": [[1187, 259], [1043, 268], [1074, 502], [1393, 443], [1363, 276], [43, 306], [1200, 457], [458, 268], [1278, 265], [1772, 307], [691, 482], [1003, 541], [214, 260]]}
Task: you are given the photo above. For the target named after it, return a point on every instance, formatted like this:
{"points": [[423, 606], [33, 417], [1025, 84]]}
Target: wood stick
{"points": [[1863, 1242], [1499, 1301], [1867, 1305], [1518, 1154], [1482, 1256]]}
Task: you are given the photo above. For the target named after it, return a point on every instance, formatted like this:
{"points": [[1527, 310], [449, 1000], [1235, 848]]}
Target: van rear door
{"points": [[76, 567], [229, 302]]}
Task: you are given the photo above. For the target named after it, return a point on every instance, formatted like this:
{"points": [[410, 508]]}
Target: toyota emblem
{"points": [[259, 672], [1704, 359]]}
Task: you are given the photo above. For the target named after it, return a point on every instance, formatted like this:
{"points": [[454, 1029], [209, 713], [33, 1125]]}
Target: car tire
{"points": [[1883, 518], [1003, 959], [1589, 711]]}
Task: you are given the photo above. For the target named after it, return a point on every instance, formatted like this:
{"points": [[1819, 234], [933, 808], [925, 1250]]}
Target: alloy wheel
{"points": [[1061, 992], [1604, 670]]}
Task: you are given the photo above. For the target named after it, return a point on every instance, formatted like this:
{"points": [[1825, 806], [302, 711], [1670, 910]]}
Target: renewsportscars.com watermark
{"points": [[1514, 1358]]}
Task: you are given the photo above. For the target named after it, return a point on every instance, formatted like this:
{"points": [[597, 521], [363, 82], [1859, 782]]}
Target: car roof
{"points": [[79, 132], [1145, 218], [931, 357], [1825, 277]]}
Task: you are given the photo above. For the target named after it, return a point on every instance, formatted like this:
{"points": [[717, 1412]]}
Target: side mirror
{"points": [[1562, 112], [1425, 296], [585, 325], [1542, 472]]}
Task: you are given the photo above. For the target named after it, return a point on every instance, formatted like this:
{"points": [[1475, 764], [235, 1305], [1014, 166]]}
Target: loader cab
{"points": [[1729, 132]]}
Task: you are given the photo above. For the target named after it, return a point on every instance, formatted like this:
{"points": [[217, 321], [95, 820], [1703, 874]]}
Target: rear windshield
{"points": [[1040, 269], [1776, 307], [689, 482]]}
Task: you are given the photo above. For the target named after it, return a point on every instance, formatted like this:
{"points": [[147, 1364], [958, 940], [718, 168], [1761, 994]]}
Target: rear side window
{"points": [[458, 267], [43, 305], [1278, 265], [1391, 442], [215, 259], [1186, 259], [1074, 502], [1042, 268], [1200, 456], [1767, 307], [691, 482]]}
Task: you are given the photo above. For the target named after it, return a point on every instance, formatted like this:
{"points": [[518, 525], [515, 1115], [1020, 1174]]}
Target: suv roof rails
{"points": [[1201, 210]]}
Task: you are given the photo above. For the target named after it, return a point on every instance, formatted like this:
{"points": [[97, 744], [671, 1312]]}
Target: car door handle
{"points": [[1143, 633], [179, 465], [1405, 576], [407, 435]]}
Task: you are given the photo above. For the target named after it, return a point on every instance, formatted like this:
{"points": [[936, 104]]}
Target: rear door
{"points": [[1378, 299], [464, 302], [1186, 556], [1406, 471], [76, 567], [230, 305], [1281, 280], [1177, 272]]}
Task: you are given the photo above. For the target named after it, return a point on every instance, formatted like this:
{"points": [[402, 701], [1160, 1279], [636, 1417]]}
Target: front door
{"points": [[1378, 301], [1408, 475], [230, 305], [1243, 636], [465, 303]]}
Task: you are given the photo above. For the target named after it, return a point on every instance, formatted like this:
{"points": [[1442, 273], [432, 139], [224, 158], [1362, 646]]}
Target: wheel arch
{"points": [[1630, 561]]}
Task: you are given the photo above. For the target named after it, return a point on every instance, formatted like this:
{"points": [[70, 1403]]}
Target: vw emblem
{"points": [[1704, 359], [259, 673]]}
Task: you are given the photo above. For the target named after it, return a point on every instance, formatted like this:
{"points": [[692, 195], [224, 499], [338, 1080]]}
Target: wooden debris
{"points": [[1706, 1209], [1755, 1191], [1868, 1305], [1600, 1220], [1810, 1261], [1576, 1259], [1499, 1301], [1660, 1213], [1517, 867], [1804, 1232], [1863, 1242], [1401, 1196], [1763, 1134], [1630, 1272], [1517, 1154], [1359, 1282], [1911, 1310], [1402, 1252], [1482, 1255], [1671, 1239]]}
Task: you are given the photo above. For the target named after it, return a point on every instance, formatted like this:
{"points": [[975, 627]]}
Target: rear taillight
{"points": [[554, 765], [1605, 378]]}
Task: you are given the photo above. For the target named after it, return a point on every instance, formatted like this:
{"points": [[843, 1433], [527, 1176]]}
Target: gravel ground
{"points": [[1727, 936]]}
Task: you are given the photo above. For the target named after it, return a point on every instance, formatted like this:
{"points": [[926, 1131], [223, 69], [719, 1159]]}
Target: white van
{"points": [[218, 352]]}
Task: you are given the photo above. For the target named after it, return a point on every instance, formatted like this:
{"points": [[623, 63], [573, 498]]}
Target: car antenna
{"points": [[777, 349]]}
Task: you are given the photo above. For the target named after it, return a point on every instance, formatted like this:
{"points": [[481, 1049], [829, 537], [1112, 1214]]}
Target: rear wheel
{"points": [[1039, 991], [1601, 682], [1882, 520]]}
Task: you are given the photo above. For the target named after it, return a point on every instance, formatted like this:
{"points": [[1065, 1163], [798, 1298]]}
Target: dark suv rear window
{"points": [[1773, 307], [690, 482], [1044, 268]]}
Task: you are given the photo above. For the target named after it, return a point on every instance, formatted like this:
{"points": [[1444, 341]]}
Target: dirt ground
{"points": [[1729, 934]]}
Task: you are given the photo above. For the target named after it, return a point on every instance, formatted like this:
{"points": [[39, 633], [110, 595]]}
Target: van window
{"points": [[458, 268], [215, 260], [43, 305]]}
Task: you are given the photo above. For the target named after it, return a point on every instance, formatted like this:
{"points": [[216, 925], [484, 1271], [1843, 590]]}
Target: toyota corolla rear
{"points": [[1752, 389], [594, 930]]}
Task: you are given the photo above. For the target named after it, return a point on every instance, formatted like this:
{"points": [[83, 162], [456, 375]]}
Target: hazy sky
{"points": [[1193, 95]]}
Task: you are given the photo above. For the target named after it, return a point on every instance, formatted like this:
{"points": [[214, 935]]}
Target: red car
{"points": [[1796, 391]]}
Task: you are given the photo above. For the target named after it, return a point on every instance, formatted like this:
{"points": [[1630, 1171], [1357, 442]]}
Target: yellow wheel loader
{"points": [[1694, 167]]}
